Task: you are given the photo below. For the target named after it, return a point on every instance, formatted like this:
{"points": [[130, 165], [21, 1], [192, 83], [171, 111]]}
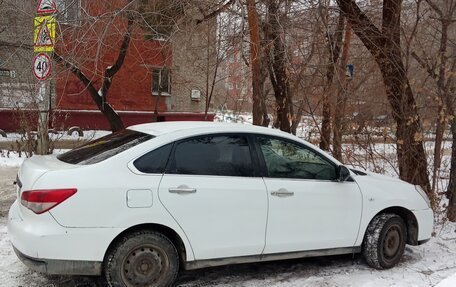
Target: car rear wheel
{"points": [[143, 258], [384, 242]]}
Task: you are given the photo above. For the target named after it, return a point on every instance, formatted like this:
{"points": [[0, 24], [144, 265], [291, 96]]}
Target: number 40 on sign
{"points": [[42, 66]]}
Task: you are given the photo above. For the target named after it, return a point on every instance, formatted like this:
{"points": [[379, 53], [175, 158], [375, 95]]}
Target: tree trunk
{"points": [[441, 112], [451, 192], [325, 139], [410, 151], [277, 67], [334, 43], [259, 106], [385, 47], [114, 120], [342, 95], [440, 129]]}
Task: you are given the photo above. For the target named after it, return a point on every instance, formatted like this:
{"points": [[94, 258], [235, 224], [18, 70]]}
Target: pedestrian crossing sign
{"points": [[46, 7]]}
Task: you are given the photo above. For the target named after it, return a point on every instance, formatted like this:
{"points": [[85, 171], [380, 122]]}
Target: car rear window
{"points": [[104, 147]]}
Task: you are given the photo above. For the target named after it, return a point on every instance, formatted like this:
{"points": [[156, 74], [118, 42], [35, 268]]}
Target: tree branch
{"points": [[16, 45], [113, 118], [435, 8], [364, 28], [424, 65], [391, 20], [111, 71], [216, 12], [80, 75]]}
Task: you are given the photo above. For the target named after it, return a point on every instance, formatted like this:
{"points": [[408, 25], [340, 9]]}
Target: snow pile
{"points": [[11, 159], [14, 159], [60, 135], [448, 282]]}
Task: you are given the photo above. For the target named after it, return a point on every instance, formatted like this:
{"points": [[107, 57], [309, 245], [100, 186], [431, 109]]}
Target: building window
{"points": [[161, 81], [69, 11]]}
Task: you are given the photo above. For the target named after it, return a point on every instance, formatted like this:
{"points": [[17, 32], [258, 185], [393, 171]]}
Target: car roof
{"points": [[160, 128]]}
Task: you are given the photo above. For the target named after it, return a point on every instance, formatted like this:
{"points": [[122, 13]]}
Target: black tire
{"points": [[142, 258], [384, 242]]}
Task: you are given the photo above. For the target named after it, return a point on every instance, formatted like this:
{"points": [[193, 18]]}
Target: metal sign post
{"points": [[44, 39]]}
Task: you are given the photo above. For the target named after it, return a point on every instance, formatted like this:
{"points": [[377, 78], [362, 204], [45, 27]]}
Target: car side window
{"points": [[154, 161], [285, 159], [224, 155]]}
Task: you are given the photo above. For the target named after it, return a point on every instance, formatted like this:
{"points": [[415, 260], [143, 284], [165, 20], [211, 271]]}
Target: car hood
{"points": [[389, 190], [377, 176]]}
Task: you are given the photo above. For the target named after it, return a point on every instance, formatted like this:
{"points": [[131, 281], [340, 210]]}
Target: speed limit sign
{"points": [[42, 66]]}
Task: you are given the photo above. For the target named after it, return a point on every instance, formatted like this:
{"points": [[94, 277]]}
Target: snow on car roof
{"points": [[160, 128]]}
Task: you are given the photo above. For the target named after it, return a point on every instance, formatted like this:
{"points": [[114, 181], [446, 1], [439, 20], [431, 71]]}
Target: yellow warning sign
{"points": [[44, 34]]}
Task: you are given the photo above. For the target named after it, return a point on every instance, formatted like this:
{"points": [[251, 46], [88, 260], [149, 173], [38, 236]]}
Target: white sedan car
{"points": [[140, 204]]}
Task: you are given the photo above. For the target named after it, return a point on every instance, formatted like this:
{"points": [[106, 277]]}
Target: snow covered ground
{"points": [[425, 265], [432, 264], [87, 135], [448, 282]]}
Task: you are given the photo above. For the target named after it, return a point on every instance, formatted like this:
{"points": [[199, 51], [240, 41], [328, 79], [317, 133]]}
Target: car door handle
{"points": [[182, 189], [282, 193]]}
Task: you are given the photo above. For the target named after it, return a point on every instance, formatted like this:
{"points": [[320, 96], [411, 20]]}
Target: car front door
{"points": [[211, 189], [308, 208]]}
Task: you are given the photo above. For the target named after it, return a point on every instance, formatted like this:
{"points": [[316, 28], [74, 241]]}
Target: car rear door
{"points": [[213, 191], [308, 208]]}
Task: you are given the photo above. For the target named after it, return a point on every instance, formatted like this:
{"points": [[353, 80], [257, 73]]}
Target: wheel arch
{"points": [[165, 230], [409, 220]]}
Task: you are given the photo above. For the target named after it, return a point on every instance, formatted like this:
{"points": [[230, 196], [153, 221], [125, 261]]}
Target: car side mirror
{"points": [[344, 173]]}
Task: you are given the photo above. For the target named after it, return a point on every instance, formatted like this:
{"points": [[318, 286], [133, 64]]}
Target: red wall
{"points": [[15, 120], [95, 46]]}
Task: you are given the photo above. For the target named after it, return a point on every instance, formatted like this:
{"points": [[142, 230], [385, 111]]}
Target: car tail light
{"points": [[40, 201]]}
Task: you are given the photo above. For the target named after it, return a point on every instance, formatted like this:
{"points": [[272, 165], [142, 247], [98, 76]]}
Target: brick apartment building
{"points": [[89, 35]]}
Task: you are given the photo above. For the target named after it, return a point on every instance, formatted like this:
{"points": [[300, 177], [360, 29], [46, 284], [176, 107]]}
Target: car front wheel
{"points": [[142, 258], [384, 242]]}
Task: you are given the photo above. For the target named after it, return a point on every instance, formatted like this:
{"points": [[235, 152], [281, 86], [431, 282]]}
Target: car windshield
{"points": [[105, 147]]}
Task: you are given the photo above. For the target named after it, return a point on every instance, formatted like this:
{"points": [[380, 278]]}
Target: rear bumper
{"points": [[45, 246], [60, 267]]}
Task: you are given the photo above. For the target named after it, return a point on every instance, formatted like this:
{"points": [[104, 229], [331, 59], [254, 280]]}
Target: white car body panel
{"points": [[425, 219], [319, 215], [82, 210], [43, 237], [380, 192], [240, 219], [239, 205]]}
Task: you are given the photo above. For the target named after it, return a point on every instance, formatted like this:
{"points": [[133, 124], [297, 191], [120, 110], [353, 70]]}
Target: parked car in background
{"points": [[140, 204]]}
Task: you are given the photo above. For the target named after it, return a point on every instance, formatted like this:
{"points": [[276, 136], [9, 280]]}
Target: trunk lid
{"points": [[32, 169]]}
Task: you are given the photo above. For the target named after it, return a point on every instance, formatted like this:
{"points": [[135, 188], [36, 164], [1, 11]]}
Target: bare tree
{"points": [[277, 58], [256, 56], [100, 96], [334, 41], [445, 89], [384, 45], [342, 95]]}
